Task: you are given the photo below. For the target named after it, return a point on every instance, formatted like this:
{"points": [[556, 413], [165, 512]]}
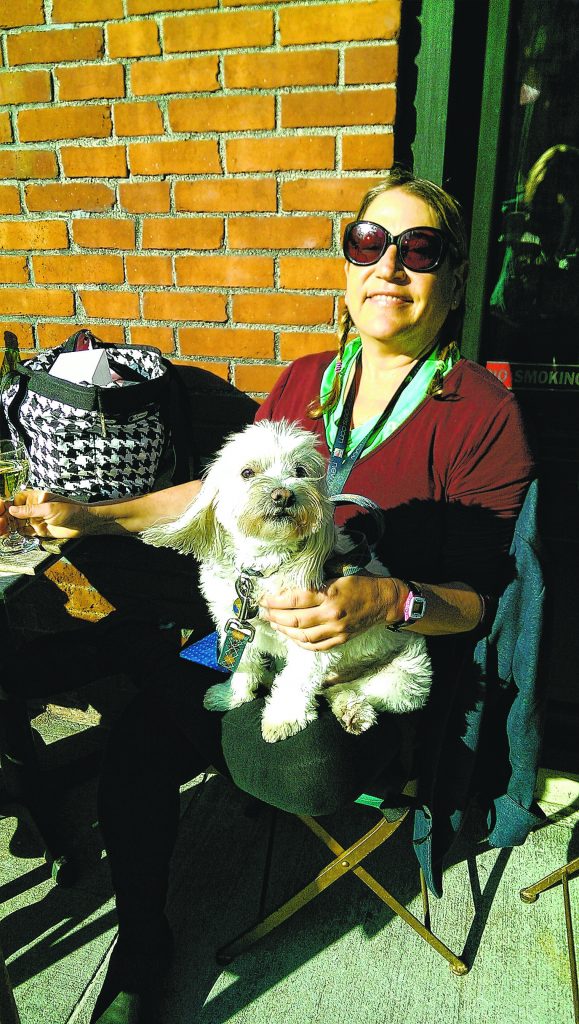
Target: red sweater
{"points": [[451, 479]]}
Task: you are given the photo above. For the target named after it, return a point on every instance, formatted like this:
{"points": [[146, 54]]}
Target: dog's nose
{"points": [[282, 497]]}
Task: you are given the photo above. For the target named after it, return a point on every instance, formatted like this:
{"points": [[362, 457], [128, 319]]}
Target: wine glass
{"points": [[13, 478]]}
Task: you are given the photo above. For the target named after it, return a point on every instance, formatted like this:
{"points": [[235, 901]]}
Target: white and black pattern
{"points": [[109, 451]]}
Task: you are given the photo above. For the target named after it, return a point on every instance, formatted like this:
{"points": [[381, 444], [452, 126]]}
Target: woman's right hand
{"points": [[42, 514]]}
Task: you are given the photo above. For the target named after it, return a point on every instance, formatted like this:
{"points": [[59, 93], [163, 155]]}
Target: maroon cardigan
{"points": [[451, 479]]}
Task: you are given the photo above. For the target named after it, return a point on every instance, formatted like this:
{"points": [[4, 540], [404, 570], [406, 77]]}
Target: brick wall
{"points": [[178, 172]]}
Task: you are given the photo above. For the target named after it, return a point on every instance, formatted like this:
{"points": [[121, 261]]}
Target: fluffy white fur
{"points": [[264, 506]]}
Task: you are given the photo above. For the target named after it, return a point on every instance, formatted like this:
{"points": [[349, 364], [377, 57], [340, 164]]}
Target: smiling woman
{"points": [[434, 441]]}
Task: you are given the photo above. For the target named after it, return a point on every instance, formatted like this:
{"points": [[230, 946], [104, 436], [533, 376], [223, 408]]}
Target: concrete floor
{"points": [[344, 958]]}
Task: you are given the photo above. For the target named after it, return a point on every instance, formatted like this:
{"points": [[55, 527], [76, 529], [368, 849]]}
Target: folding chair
{"points": [[393, 813], [531, 894]]}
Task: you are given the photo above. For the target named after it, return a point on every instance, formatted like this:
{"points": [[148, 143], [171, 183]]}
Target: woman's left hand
{"points": [[321, 619]]}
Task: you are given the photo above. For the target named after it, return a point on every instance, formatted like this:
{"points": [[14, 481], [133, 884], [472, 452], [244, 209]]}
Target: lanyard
{"points": [[341, 465]]}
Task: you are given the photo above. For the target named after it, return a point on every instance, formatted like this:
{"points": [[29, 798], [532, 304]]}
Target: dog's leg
{"points": [[292, 701], [242, 685]]}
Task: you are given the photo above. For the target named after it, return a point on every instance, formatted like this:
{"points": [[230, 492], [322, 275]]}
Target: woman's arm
{"points": [[47, 515], [320, 620]]}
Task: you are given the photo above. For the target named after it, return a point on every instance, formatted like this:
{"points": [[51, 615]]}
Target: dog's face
{"points": [[269, 484], [264, 498]]}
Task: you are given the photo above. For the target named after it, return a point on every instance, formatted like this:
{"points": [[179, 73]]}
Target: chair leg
{"points": [[346, 860], [27, 790], [8, 1010], [532, 892]]}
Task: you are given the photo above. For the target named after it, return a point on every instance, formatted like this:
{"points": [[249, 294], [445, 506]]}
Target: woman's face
{"points": [[389, 304]]}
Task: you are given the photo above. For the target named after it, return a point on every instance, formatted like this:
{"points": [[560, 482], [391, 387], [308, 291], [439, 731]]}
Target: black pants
{"points": [[165, 737]]}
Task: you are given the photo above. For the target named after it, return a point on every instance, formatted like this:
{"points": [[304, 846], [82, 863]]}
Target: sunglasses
{"points": [[418, 249]]}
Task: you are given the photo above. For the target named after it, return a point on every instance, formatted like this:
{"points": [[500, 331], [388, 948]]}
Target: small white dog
{"points": [[263, 518]]}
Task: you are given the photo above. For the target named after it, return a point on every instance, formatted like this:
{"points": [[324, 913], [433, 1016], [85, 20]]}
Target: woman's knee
{"points": [[316, 772]]}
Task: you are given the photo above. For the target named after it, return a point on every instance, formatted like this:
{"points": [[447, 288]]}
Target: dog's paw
{"points": [[354, 713], [274, 731], [274, 727], [221, 697]]}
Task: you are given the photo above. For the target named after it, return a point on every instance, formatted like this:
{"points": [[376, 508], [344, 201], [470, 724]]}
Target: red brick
{"points": [[56, 47], [25, 87], [188, 157], [14, 270], [222, 114], [91, 82], [94, 161], [330, 23], [159, 77], [160, 337], [212, 366], [9, 199], [71, 11], [145, 197], [370, 65], [33, 234], [78, 269], [283, 309], [138, 119], [42, 123], [260, 379], [312, 272], [231, 195], [340, 194], [368, 152], [133, 39], [152, 6], [50, 335], [293, 344], [274, 70], [111, 305], [28, 163], [69, 196], [5, 127], [23, 332], [171, 305], [224, 341], [104, 233], [278, 153], [219, 31], [279, 233], [36, 302], [225, 271], [24, 12], [182, 233], [149, 270], [323, 109]]}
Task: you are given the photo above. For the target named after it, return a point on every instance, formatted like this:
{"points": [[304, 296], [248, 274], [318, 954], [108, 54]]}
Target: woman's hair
{"points": [[449, 215]]}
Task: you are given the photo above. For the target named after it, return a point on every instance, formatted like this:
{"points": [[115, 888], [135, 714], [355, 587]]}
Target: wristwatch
{"points": [[414, 607]]}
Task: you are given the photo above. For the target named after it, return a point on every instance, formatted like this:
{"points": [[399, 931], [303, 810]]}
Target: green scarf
{"points": [[409, 400]]}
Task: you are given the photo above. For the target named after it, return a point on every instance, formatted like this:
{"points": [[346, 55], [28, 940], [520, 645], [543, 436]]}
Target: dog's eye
{"points": [[247, 473], [301, 471]]}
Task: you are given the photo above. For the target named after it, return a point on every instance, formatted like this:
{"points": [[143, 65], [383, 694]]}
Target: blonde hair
{"points": [[449, 215]]}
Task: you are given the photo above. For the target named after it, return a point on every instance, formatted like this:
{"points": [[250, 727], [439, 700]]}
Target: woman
{"points": [[438, 443]]}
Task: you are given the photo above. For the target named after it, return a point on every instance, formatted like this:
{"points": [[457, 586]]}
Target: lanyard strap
{"points": [[341, 465]]}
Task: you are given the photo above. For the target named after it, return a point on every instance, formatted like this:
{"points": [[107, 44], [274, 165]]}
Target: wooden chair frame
{"points": [[531, 894], [345, 861]]}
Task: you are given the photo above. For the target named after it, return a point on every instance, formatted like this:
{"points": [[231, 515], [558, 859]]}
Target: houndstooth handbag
{"points": [[91, 442]]}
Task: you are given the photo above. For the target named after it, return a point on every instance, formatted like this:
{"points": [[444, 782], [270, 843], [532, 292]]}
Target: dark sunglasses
{"points": [[418, 249]]}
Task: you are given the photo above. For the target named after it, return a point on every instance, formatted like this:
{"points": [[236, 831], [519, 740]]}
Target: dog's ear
{"points": [[196, 532]]}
